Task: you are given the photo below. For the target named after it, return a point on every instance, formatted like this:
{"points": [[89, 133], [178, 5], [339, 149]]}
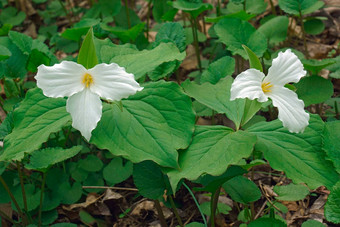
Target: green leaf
{"points": [[201, 110], [291, 192], [36, 59], [242, 190], [275, 29], [117, 171], [163, 70], [314, 26], [125, 35], [295, 6], [44, 158], [23, 42], [80, 29], [234, 33], [104, 8], [194, 8], [69, 194], [4, 53], [141, 62], [6, 126], [64, 225], [312, 223], [49, 217], [34, 120], [332, 207], [152, 125], [315, 66], [254, 61], [172, 32], [31, 192], [314, 89], [217, 97], [221, 208], [252, 6], [335, 68], [272, 222], [160, 8], [10, 15], [221, 68], [87, 53], [300, 156], [90, 164], [216, 146], [331, 142], [149, 180]]}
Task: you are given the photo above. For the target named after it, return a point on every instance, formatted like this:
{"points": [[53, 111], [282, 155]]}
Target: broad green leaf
{"points": [[242, 15], [172, 32], [117, 171], [31, 192], [160, 8], [10, 15], [201, 110], [217, 97], [295, 6], [125, 35], [44, 158], [68, 194], [34, 120], [317, 5], [151, 126], [79, 29], [315, 66], [234, 33], [6, 126], [314, 26], [163, 70], [64, 225], [300, 156], [194, 8], [221, 68], [23, 42], [49, 217], [36, 59], [251, 107], [195, 224], [212, 150], [291, 192], [121, 19], [254, 61], [275, 29], [335, 68], [242, 190], [252, 6], [331, 142], [312, 223], [141, 62], [332, 207], [221, 208], [87, 54], [150, 180], [4, 53], [104, 8], [94, 179], [264, 221], [314, 89], [91, 164]]}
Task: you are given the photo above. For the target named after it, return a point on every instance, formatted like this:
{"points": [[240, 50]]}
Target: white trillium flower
{"points": [[253, 84], [85, 87]]}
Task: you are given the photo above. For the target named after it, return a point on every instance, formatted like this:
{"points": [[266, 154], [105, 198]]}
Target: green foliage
{"points": [[194, 8], [216, 146], [266, 222], [4, 53], [275, 29], [332, 207], [314, 89], [117, 171], [87, 53], [242, 190], [10, 15], [314, 26], [34, 121], [221, 68], [162, 114], [312, 223], [291, 192], [300, 156], [125, 35], [91, 163], [297, 6], [331, 143], [221, 208], [104, 8], [171, 32], [234, 33]]}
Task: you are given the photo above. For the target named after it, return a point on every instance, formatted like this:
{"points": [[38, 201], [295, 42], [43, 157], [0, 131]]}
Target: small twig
{"points": [[260, 211], [4, 216], [174, 208], [24, 198], [160, 214], [114, 188], [268, 199]]}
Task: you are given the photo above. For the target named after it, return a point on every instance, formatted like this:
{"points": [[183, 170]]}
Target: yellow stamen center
{"points": [[87, 80], [266, 87]]}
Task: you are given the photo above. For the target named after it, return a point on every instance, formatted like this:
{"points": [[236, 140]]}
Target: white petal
{"points": [[112, 82], [60, 80], [286, 68], [248, 85], [85, 108], [291, 109]]}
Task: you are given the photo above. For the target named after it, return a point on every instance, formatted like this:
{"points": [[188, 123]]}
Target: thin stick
{"points": [[303, 34], [2, 214], [195, 36], [22, 185], [213, 206], [197, 204], [174, 208], [148, 20], [42, 196], [114, 188], [127, 13], [160, 214], [260, 211]]}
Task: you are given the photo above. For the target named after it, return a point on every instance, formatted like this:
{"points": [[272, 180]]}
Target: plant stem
{"points": [[12, 197], [42, 196], [175, 211], [303, 34], [66, 13], [272, 7], [160, 214], [22, 185], [218, 8], [148, 20], [197, 204], [213, 206], [127, 13], [3, 215], [195, 36]]}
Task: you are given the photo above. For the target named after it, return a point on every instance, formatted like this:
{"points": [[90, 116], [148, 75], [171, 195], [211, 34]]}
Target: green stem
{"points": [[197, 204], [12, 197], [42, 196], [22, 186], [195, 36], [148, 19], [175, 211], [127, 13], [160, 214], [272, 7], [303, 34], [218, 8], [213, 206], [66, 13]]}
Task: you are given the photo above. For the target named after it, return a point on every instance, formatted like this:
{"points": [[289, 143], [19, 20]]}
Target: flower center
{"points": [[266, 87], [87, 80]]}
